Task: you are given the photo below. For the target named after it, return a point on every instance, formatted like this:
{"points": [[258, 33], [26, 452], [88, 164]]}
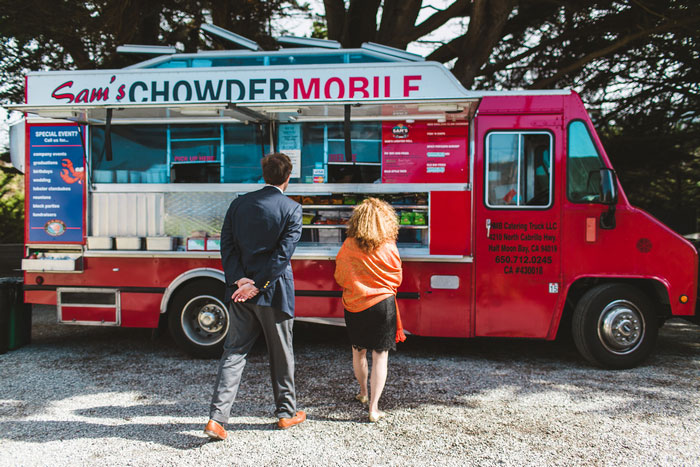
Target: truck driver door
{"points": [[517, 224]]}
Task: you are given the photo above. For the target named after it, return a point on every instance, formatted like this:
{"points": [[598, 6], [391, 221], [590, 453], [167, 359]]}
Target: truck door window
{"points": [[583, 166], [519, 169]]}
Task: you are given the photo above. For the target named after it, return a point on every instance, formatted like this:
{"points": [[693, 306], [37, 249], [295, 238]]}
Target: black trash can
{"points": [[5, 310], [15, 315]]}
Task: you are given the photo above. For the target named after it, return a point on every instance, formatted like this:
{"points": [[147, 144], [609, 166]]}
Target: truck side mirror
{"points": [[608, 195], [608, 187]]}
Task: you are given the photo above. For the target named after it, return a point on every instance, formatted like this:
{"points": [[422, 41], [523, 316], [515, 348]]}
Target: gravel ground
{"points": [[86, 395]]}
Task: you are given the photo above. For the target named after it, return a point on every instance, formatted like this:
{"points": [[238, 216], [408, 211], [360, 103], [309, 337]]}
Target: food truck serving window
{"points": [[138, 154], [323, 158], [519, 170], [365, 151], [231, 153], [228, 153]]}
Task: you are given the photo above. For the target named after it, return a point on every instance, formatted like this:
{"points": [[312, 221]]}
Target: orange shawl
{"points": [[369, 278]]}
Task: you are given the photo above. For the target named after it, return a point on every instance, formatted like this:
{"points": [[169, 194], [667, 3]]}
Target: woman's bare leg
{"points": [[380, 361], [359, 365]]}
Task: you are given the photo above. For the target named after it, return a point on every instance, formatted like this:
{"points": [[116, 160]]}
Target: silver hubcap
{"points": [[204, 320], [210, 318], [621, 327]]}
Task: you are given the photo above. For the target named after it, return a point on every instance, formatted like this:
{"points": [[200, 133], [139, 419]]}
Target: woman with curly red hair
{"points": [[368, 268]]}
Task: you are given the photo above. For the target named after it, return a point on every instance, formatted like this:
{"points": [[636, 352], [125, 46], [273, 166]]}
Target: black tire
{"points": [[198, 320], [614, 326]]}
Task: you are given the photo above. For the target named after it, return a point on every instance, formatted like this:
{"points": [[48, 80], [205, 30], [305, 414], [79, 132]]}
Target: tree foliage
{"points": [[71, 34], [11, 203], [633, 61], [85, 34]]}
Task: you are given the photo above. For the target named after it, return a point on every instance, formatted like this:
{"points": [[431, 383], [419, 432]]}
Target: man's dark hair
{"points": [[276, 167]]}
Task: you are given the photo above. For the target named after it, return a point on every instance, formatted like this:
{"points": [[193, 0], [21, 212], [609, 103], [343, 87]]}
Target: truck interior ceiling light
{"points": [[55, 113], [440, 108], [273, 110], [208, 110]]}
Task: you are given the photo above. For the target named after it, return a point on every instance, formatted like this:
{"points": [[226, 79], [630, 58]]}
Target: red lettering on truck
{"points": [[84, 95], [305, 93], [341, 88], [68, 96], [407, 86], [358, 84], [120, 92], [99, 94]]}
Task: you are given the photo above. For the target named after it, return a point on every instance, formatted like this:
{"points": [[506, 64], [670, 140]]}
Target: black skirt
{"points": [[373, 328]]}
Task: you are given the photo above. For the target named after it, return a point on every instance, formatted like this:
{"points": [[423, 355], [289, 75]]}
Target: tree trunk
{"points": [[335, 18], [398, 21], [485, 30], [361, 23]]}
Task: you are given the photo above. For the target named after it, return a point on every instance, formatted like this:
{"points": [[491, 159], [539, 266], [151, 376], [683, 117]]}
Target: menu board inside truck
{"points": [[424, 152]]}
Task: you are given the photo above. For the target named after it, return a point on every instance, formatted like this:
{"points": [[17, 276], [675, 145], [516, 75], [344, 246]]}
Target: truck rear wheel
{"points": [[198, 319], [614, 326]]}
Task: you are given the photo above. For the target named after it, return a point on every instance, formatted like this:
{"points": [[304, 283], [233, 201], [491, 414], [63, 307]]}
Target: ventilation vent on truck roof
{"points": [[146, 49], [225, 34], [392, 52], [291, 41], [295, 51]]}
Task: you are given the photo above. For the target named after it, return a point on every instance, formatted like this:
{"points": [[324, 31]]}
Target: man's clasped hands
{"points": [[246, 290]]}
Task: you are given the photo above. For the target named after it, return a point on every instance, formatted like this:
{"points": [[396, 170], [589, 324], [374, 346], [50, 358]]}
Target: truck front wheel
{"points": [[614, 326], [198, 319]]}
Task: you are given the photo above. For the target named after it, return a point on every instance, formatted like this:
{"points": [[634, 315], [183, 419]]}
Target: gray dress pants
{"points": [[247, 320]]}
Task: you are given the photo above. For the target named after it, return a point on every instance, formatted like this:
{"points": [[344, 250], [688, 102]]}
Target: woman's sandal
{"points": [[363, 399], [376, 416]]}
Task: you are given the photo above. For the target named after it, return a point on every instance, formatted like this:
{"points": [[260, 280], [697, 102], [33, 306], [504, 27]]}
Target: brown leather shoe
{"points": [[284, 423], [215, 431]]}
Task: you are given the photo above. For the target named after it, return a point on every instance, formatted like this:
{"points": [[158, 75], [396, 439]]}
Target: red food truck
{"points": [[513, 223]]}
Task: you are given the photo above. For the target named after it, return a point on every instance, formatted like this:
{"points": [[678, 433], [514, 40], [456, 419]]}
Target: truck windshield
{"points": [[583, 166]]}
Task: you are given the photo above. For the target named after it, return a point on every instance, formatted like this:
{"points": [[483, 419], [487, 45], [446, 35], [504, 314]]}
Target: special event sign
{"points": [[56, 183], [424, 152]]}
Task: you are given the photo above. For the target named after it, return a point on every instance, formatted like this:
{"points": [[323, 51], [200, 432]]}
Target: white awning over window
{"points": [[223, 112]]}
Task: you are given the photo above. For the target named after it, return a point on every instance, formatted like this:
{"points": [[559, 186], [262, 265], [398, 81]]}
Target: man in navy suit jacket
{"points": [[258, 238]]}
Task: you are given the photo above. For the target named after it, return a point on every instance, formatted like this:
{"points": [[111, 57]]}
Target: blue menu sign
{"points": [[56, 182]]}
